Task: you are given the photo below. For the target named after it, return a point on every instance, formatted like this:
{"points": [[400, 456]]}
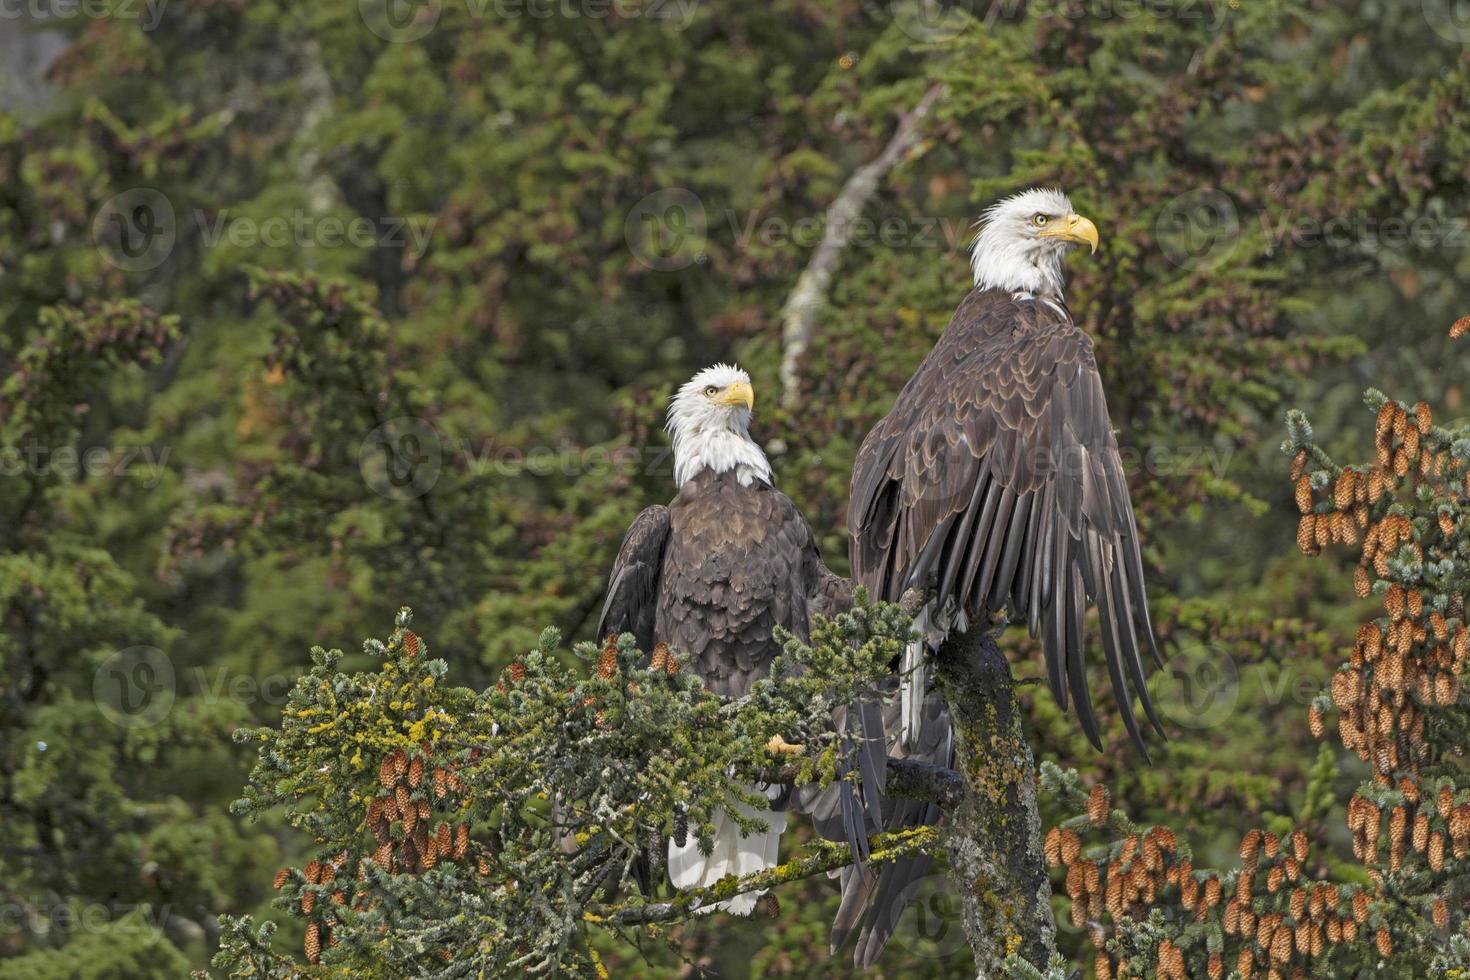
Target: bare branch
{"points": [[804, 305], [910, 779]]}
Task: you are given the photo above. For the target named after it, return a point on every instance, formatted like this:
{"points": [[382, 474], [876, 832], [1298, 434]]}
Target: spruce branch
{"points": [[498, 829]]}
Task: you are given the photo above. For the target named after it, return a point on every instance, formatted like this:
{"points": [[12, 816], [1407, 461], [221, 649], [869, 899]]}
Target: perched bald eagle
{"points": [[712, 575], [995, 484]]}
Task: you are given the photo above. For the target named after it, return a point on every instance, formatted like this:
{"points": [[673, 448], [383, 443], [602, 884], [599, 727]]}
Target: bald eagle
{"points": [[712, 575], [995, 485]]}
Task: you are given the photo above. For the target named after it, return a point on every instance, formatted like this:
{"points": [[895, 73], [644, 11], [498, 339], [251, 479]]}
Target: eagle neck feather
{"points": [[719, 450], [1015, 265]]}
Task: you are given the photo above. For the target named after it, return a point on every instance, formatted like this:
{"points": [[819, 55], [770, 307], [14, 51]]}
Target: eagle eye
{"points": [[1039, 219], [711, 390]]}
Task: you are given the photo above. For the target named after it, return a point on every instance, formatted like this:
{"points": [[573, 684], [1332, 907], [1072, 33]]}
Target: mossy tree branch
{"points": [[993, 837], [908, 779]]}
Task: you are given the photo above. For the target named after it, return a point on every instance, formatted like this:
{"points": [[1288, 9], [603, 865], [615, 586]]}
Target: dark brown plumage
{"points": [[996, 482], [995, 485], [714, 573], [713, 576], [873, 895]]}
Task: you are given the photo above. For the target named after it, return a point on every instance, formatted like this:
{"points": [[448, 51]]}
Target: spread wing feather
{"points": [[874, 898], [996, 480]]}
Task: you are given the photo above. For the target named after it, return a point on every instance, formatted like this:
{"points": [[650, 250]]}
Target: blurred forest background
{"points": [[244, 246]]}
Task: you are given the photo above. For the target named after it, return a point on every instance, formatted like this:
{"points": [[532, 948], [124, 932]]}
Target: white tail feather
{"points": [[930, 628], [912, 683], [732, 854]]}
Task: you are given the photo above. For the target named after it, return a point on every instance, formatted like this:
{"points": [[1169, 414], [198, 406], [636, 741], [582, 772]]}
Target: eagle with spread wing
{"points": [[995, 487], [712, 576]]}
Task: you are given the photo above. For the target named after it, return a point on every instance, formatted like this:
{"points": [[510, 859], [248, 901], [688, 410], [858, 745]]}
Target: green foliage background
{"points": [[229, 390]]}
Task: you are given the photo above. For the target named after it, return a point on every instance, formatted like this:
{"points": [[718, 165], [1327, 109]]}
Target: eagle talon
{"points": [[779, 746]]}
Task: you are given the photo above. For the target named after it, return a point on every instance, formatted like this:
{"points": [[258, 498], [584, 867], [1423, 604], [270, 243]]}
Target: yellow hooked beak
{"points": [[1075, 229], [738, 393]]}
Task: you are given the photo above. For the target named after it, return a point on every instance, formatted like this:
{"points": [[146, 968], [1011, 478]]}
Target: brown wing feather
{"points": [[996, 479], [632, 589]]}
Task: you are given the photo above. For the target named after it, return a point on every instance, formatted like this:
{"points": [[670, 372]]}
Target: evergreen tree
{"points": [[1293, 906], [565, 214]]}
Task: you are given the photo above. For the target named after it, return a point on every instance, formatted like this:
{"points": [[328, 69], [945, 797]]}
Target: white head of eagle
{"points": [[1023, 239], [709, 417]]}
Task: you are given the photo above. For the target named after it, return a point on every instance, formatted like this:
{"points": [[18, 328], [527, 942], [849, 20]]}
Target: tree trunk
{"points": [[993, 838]]}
